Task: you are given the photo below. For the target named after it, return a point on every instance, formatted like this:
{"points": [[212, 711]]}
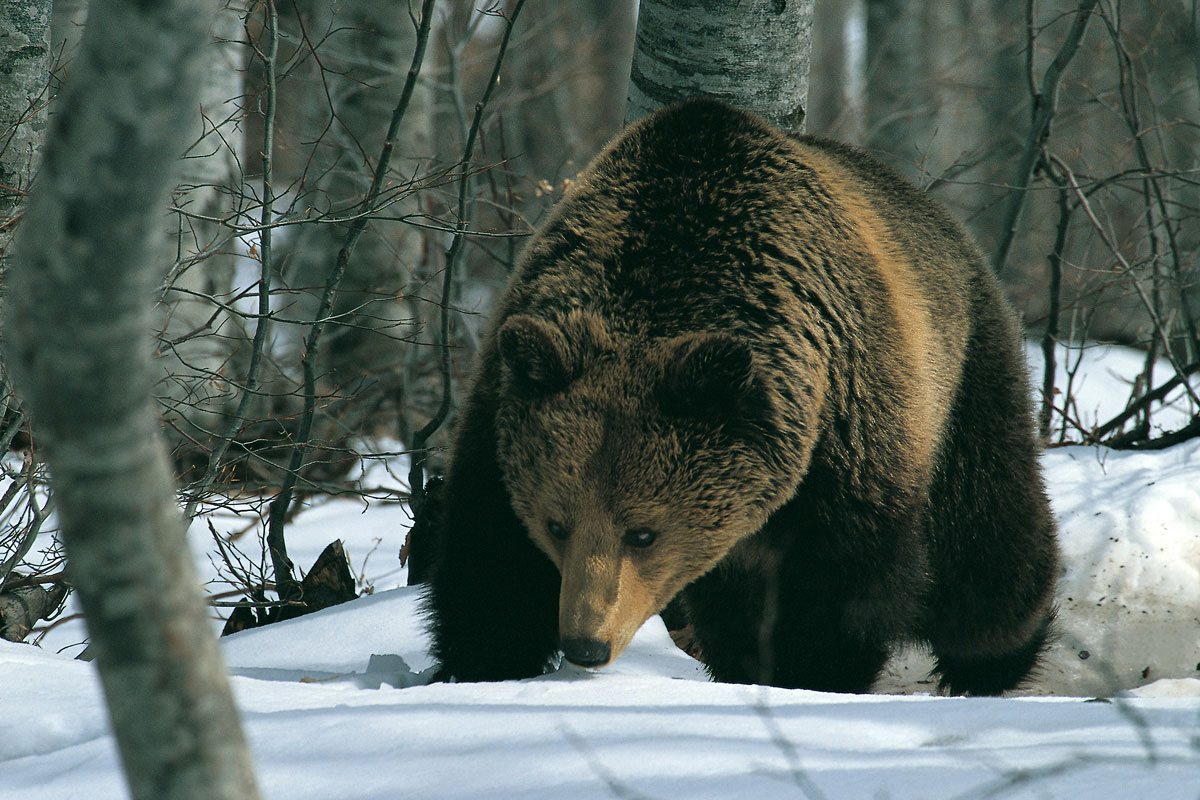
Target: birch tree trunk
{"points": [[753, 54], [837, 101], [199, 340], [80, 296], [67, 23], [25, 54]]}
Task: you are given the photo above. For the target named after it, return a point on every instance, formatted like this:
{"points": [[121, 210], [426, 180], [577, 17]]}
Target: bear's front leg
{"points": [[493, 598]]}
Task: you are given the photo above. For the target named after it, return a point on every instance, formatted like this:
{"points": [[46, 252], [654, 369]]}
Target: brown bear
{"points": [[767, 378]]}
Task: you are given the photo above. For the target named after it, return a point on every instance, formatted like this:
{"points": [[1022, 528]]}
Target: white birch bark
{"points": [[198, 340], [752, 54]]}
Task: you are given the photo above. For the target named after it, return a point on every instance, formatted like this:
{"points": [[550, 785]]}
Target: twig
{"points": [[1044, 103], [416, 478], [1050, 337], [1144, 401], [1128, 270], [370, 215], [281, 504], [35, 580], [256, 603], [263, 322], [1128, 95], [30, 532], [12, 429], [1189, 431]]}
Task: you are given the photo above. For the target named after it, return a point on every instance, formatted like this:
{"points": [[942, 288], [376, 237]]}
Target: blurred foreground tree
{"points": [[79, 301]]}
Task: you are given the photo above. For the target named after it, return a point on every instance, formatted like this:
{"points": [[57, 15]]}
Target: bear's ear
{"points": [[536, 352], [705, 374]]}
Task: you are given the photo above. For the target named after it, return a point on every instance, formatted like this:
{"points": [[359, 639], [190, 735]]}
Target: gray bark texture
{"points": [[24, 76], [80, 294], [752, 54], [199, 340]]}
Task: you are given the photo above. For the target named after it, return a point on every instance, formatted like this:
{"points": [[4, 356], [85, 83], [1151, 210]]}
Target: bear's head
{"points": [[635, 464]]}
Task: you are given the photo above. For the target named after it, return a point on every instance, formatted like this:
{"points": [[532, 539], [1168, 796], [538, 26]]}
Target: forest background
{"points": [[323, 280], [1066, 135]]}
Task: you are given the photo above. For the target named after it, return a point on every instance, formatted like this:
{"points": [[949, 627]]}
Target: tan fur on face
{"points": [[599, 459], [605, 597], [609, 588]]}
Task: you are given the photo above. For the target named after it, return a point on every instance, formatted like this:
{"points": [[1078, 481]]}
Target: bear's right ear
{"points": [[706, 374], [536, 352]]}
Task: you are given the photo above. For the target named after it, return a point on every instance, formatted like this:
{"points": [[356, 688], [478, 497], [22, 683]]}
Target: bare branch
{"points": [[258, 347], [1044, 105], [282, 502], [1050, 335], [416, 481], [1130, 273]]}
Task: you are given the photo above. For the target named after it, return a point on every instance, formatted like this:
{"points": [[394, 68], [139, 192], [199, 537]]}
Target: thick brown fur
{"points": [[764, 374]]}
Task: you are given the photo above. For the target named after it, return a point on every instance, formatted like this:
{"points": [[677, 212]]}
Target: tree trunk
{"points": [[837, 99], [571, 73], [25, 54], [67, 23], [337, 106], [79, 319], [754, 55], [199, 341], [900, 100]]}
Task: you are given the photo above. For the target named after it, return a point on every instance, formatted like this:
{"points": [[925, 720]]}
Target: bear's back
{"points": [[705, 218], [700, 203]]}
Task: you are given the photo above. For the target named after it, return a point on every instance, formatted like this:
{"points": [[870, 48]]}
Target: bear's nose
{"points": [[586, 652]]}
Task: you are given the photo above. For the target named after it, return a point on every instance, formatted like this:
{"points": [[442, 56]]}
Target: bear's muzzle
{"points": [[586, 652]]}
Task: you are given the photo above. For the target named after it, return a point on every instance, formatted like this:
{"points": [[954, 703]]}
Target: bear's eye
{"points": [[557, 530], [640, 537]]}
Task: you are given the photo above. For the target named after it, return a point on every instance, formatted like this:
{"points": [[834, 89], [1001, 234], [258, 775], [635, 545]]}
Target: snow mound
{"points": [[1129, 596]]}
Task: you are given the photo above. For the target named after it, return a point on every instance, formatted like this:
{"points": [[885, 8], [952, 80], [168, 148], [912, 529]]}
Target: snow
{"points": [[336, 703], [1101, 382]]}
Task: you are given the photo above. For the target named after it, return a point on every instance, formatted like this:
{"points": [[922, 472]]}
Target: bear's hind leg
{"points": [[993, 551], [992, 674]]}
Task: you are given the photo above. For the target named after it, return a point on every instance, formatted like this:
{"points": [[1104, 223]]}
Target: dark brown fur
{"points": [[792, 368]]}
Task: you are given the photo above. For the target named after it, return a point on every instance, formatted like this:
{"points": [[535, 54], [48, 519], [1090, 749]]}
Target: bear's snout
{"points": [[586, 652]]}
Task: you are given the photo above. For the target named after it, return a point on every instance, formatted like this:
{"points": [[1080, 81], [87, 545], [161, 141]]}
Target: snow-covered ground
{"points": [[336, 704]]}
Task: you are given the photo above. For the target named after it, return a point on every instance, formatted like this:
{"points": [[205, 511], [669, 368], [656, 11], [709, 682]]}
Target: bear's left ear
{"points": [[536, 352], [706, 373]]}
